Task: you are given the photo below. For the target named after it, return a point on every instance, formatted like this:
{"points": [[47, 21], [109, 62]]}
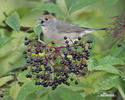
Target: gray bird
{"points": [[55, 30]]}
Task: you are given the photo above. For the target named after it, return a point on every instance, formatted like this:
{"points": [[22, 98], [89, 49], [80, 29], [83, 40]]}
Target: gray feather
{"points": [[64, 27]]}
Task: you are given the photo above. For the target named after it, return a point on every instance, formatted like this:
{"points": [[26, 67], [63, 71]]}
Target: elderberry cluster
{"points": [[51, 65]]}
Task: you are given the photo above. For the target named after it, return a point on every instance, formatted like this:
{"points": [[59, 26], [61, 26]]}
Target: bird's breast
{"points": [[50, 33]]}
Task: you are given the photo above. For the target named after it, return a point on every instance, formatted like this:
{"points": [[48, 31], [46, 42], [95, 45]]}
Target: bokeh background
{"points": [[91, 13]]}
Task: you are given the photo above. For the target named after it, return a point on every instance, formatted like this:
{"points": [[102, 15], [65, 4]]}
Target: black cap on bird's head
{"points": [[45, 18]]}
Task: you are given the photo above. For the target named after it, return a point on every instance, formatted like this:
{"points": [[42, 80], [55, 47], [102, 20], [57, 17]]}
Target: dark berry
{"points": [[57, 74], [24, 68], [40, 69], [24, 52], [25, 56], [81, 67], [75, 47], [43, 45], [1, 95], [69, 49], [77, 65], [54, 87], [50, 83], [53, 42], [67, 41], [65, 37], [71, 79], [26, 43], [28, 49], [68, 84], [76, 82], [36, 38], [26, 38], [80, 44], [28, 76], [50, 49], [75, 42], [89, 47], [85, 65], [89, 41], [67, 45], [119, 45], [37, 83], [79, 38]]}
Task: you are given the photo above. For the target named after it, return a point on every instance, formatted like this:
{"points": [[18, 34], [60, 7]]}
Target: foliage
{"points": [[106, 64]]}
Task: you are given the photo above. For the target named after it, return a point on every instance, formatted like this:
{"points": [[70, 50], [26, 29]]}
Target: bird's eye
{"points": [[42, 22], [46, 19]]}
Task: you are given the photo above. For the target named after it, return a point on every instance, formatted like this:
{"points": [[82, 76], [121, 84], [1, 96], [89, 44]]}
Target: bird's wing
{"points": [[63, 27]]}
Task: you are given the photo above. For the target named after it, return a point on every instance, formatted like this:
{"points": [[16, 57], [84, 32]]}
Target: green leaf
{"points": [[4, 80], [97, 97], [27, 89], [100, 81], [14, 90], [7, 98], [122, 75], [37, 30], [33, 96], [111, 60], [110, 3], [69, 3], [4, 40], [13, 22], [78, 4], [92, 63], [22, 76], [107, 68], [62, 93], [50, 7], [107, 82]]}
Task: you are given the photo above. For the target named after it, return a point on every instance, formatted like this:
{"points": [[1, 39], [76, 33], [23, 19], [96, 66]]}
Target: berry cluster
{"points": [[52, 65], [117, 28]]}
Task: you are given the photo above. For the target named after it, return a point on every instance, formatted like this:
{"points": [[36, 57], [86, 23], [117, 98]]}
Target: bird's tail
{"points": [[89, 30], [98, 29]]}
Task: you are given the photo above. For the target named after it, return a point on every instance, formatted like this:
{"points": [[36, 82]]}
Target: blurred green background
{"points": [[91, 13]]}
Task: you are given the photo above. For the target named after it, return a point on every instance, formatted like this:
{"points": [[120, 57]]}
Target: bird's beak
{"points": [[38, 19]]}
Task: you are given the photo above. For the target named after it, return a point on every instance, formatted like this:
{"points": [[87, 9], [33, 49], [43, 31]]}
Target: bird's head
{"points": [[47, 20]]}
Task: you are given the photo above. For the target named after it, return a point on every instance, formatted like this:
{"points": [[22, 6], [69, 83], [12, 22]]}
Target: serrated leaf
{"points": [[4, 80], [100, 81], [14, 90], [111, 61], [50, 7], [107, 82], [107, 68], [27, 89], [37, 30], [13, 22]]}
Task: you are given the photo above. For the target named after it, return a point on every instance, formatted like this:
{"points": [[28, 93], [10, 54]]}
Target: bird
{"points": [[55, 30]]}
